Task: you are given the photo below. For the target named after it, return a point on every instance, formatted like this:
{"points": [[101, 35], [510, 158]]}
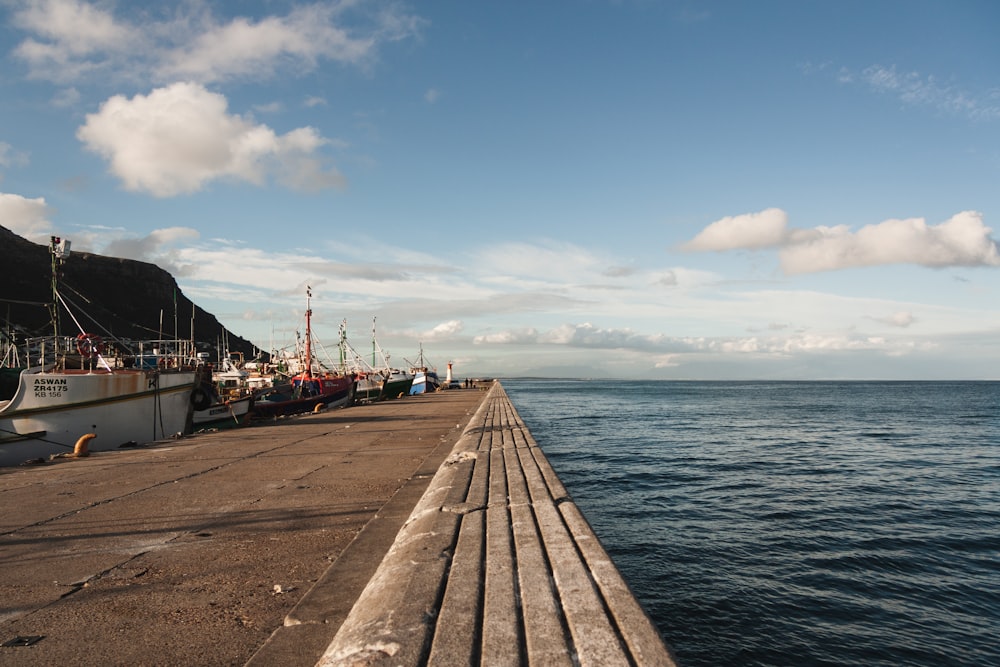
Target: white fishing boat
{"points": [[80, 386], [375, 380], [221, 412], [425, 377]]}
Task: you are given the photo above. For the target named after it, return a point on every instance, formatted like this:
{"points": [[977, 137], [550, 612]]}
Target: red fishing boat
{"points": [[310, 387]]}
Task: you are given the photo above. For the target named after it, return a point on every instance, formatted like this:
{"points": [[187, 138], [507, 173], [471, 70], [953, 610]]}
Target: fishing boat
{"points": [[377, 380], [310, 387], [367, 379], [82, 393], [212, 409], [425, 377], [397, 384], [224, 413], [229, 379]]}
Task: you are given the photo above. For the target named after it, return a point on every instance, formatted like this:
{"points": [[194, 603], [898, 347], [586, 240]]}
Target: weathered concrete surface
{"points": [[224, 548]]}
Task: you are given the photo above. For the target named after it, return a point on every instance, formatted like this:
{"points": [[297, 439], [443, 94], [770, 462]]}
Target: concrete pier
{"points": [[293, 543]]}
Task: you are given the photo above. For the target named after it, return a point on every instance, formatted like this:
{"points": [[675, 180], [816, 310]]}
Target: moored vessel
{"points": [[123, 392], [312, 386]]}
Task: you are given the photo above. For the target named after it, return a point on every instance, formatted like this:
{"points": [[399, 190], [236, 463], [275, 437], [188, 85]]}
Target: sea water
{"points": [[791, 523]]}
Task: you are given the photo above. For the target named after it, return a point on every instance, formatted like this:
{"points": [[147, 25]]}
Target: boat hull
{"points": [[368, 388], [335, 393], [424, 382], [52, 409], [225, 414], [396, 388]]}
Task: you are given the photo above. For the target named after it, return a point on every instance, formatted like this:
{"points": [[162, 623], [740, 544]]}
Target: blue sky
{"points": [[677, 190]]}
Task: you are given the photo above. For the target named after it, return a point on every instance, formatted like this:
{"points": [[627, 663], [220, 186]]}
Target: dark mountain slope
{"points": [[109, 296]]}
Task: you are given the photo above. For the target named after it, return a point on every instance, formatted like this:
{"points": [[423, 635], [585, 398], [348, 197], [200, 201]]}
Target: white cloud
{"points": [[962, 240], [901, 319], [534, 265], [269, 108], [155, 245], [583, 335], [11, 158], [243, 47], [752, 230], [432, 95], [444, 330], [179, 138], [924, 90], [667, 278], [26, 217], [66, 98], [525, 336], [72, 40], [668, 351]]}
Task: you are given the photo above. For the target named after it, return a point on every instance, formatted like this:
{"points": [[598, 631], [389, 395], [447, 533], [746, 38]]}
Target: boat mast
{"points": [[343, 345], [309, 312], [59, 250]]}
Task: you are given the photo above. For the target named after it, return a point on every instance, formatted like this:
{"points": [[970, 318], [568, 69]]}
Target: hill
{"points": [[111, 297]]}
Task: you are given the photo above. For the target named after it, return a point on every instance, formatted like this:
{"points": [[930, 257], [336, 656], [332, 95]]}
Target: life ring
{"points": [[200, 399], [89, 345]]}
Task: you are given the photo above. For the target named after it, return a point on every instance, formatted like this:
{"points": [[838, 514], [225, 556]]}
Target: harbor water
{"points": [[791, 523]]}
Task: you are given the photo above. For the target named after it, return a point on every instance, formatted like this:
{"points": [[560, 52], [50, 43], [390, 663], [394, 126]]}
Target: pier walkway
{"points": [[496, 566], [424, 530]]}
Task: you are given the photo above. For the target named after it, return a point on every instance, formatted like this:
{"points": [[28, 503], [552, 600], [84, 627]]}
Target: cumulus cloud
{"points": [[26, 217], [444, 330], [962, 240], [179, 138], [72, 40], [752, 230]]}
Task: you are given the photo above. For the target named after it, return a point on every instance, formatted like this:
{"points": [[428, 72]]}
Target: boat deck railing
{"points": [[91, 350]]}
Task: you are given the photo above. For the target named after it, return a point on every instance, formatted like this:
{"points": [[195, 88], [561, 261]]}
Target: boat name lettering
{"points": [[50, 381]]}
